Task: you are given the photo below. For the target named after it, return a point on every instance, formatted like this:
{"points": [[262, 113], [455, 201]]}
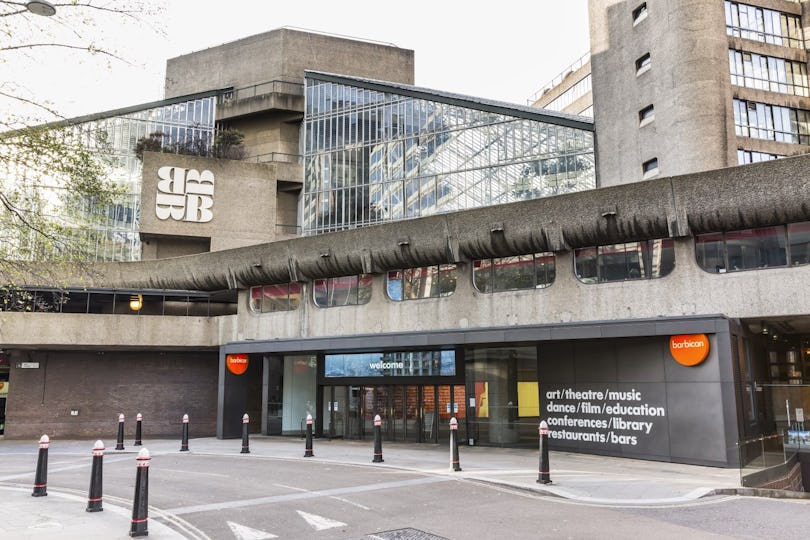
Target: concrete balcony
{"points": [[282, 96]]}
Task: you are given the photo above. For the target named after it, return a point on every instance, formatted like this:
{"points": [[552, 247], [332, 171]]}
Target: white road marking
{"points": [[243, 532], [320, 523], [195, 472], [341, 499], [347, 501], [225, 505]]}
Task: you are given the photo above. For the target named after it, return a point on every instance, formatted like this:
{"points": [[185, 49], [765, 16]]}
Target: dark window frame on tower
{"points": [[646, 115], [649, 168], [643, 63], [640, 13]]}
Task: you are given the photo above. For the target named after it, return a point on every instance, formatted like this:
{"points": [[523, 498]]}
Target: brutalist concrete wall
{"points": [[630, 398], [99, 385], [687, 82], [284, 54], [240, 209]]}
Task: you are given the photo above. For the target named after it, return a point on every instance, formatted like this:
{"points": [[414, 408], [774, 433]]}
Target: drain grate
{"points": [[405, 534]]}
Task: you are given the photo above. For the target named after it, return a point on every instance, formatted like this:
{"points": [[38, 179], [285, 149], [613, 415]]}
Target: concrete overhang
{"points": [[726, 199], [65, 331]]}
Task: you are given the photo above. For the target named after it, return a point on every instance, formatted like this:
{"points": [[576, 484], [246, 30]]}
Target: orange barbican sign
{"points": [[689, 349], [237, 363]]}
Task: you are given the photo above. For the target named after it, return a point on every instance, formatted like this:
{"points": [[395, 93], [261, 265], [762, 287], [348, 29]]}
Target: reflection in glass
{"points": [[422, 282], [374, 157], [506, 394], [342, 291], [799, 235], [272, 298], [391, 364], [648, 259], [750, 249], [110, 233], [537, 270]]}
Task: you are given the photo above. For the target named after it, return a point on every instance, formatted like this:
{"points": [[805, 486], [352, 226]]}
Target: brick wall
{"points": [[160, 385], [791, 482]]}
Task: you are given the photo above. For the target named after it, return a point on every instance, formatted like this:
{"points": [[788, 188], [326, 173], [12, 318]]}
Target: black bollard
{"points": [[94, 496], [184, 442], [454, 464], [140, 506], [543, 476], [377, 440], [119, 442], [308, 443], [139, 419], [41, 477], [245, 441]]}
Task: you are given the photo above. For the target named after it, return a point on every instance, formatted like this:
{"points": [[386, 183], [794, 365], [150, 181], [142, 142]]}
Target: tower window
{"points": [[646, 115], [640, 13], [643, 64], [649, 168]]}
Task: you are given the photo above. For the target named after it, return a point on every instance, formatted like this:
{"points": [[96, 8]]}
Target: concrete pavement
{"points": [[576, 478]]}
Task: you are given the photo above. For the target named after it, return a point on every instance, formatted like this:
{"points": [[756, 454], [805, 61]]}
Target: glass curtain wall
{"points": [[374, 157], [110, 233]]}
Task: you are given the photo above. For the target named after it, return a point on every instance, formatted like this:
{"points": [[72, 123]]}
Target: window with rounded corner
{"points": [[754, 249], [342, 291], [533, 271], [422, 282], [272, 298], [648, 259]]}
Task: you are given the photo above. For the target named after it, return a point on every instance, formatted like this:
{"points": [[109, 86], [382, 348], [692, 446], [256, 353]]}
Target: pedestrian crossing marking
{"points": [[243, 532], [320, 523]]}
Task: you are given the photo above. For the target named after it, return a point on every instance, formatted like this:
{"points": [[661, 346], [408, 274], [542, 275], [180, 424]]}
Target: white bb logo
{"points": [[185, 194]]}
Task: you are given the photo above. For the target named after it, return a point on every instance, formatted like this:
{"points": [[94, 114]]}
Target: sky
{"points": [[505, 50]]}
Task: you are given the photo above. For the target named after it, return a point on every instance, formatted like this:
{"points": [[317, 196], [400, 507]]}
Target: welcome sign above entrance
{"points": [[184, 195], [391, 364]]}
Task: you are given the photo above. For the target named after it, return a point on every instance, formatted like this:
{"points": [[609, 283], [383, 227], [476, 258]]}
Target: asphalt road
{"points": [[250, 497]]}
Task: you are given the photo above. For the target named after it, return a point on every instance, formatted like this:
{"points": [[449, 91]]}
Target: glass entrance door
{"points": [[409, 413], [354, 423], [377, 400]]}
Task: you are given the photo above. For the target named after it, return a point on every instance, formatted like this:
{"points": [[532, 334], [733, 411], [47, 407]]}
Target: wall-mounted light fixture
{"points": [[136, 302]]}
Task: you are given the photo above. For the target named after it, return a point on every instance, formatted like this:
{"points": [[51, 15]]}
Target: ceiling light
{"points": [[136, 302]]}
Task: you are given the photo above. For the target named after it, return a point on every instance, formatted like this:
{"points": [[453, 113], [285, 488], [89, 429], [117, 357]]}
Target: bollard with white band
{"points": [[41, 477], [119, 442], [184, 442], [140, 505], [138, 421], [543, 476], [308, 443], [94, 498], [377, 440], [245, 440], [454, 462]]}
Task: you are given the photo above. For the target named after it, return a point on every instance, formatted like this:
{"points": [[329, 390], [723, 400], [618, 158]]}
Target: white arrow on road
{"points": [[241, 532], [320, 523]]}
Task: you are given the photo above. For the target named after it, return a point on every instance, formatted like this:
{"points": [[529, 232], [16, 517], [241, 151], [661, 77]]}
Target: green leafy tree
{"points": [[228, 145], [55, 180], [151, 143]]}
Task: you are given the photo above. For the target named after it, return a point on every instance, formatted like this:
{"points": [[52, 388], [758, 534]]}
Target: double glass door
{"points": [[408, 413]]}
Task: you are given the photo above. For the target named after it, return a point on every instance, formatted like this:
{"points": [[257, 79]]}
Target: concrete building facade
{"points": [[687, 86], [619, 314]]}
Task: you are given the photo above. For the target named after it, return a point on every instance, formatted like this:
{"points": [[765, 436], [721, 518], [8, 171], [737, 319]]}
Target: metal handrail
{"points": [[277, 86], [577, 64], [275, 157]]}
